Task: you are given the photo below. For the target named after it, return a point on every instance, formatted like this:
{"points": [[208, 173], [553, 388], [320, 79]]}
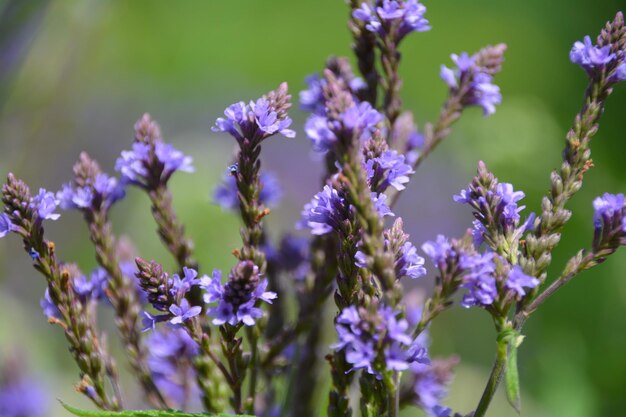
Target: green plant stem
{"points": [[494, 380]]}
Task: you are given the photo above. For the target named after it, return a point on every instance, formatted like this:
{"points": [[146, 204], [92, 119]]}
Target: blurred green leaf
{"points": [[511, 377]]}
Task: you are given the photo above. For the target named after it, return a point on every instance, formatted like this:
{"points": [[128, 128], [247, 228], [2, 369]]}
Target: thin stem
{"points": [[494, 380]]}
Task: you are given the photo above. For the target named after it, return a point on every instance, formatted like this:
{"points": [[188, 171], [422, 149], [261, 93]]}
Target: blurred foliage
{"points": [[81, 73]]}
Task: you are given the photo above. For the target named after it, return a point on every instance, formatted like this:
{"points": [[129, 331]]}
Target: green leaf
{"points": [[139, 413], [511, 377]]}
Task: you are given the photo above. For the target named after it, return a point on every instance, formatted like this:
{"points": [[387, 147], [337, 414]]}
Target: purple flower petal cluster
{"points": [[388, 169], [6, 225], [479, 279], [237, 299], [183, 312], [479, 90], [171, 353], [92, 288], [45, 203], [358, 120], [326, 212], [152, 162], [429, 388], [104, 191], [312, 99], [439, 251], [397, 18], [226, 194], [594, 59], [609, 220], [254, 121], [496, 208], [377, 341], [517, 281], [21, 396], [410, 264], [49, 309]]}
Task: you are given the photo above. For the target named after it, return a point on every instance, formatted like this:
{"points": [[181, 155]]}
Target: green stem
{"points": [[494, 380]]}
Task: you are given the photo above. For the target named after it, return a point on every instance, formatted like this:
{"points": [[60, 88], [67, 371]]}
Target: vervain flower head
{"points": [[395, 18]]}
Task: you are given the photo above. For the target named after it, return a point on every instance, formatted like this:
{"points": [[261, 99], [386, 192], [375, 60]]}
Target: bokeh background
{"points": [[75, 75]]}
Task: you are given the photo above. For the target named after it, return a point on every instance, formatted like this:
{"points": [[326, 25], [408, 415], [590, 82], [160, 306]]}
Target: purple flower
{"points": [[226, 194], [326, 212], [149, 321], [183, 312], [361, 120], [312, 99], [255, 121], [619, 74], [156, 160], [21, 396], [104, 190], [375, 340], [479, 279], [380, 204], [410, 264], [517, 280], [6, 225], [438, 250], [45, 203], [92, 288], [49, 309], [171, 353], [589, 56], [405, 16], [389, 169], [480, 89], [606, 207], [181, 286], [237, 299], [317, 128]]}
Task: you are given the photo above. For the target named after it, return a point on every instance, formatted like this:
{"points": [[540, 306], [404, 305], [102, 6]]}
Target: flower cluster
{"points": [[237, 299], [496, 209], [609, 220], [226, 194], [472, 79], [377, 340], [151, 161], [92, 189], [595, 59], [388, 169], [257, 120], [170, 359], [396, 18], [21, 395], [313, 100]]}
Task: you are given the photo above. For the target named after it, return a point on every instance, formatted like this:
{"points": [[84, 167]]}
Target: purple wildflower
{"points": [[20, 395], [237, 299], [170, 358], [610, 221], [102, 190], [375, 340], [6, 226], [49, 309], [439, 250], [181, 286], [410, 264], [405, 16], [479, 279], [92, 288], [606, 207], [389, 169], [317, 128], [45, 203], [326, 212], [255, 121], [380, 204], [517, 280], [183, 311], [590, 57], [480, 89]]}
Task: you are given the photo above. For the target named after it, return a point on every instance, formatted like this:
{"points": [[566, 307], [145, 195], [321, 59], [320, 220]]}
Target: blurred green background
{"points": [[75, 75]]}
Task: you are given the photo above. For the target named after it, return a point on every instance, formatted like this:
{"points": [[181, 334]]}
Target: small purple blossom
{"points": [[49, 309], [149, 162], [181, 286], [326, 212], [20, 395], [609, 221], [410, 264], [375, 340], [183, 311], [6, 226], [479, 279], [405, 16], [480, 88], [389, 169], [317, 128], [438, 250], [517, 281], [92, 288], [606, 207], [590, 57], [226, 194], [45, 203], [380, 204], [104, 190], [254, 121]]}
